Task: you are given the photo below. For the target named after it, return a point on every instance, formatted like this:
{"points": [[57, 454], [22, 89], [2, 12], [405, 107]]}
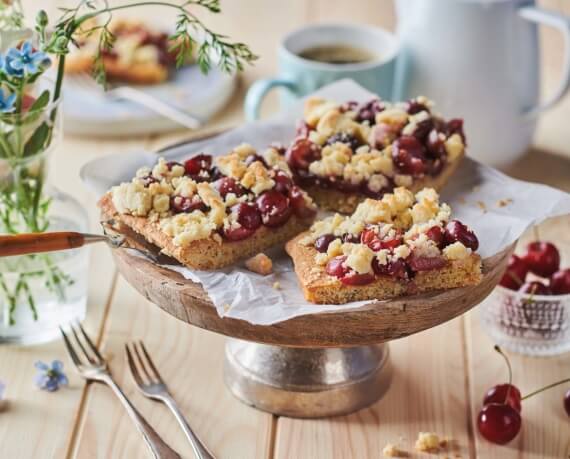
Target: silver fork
{"points": [[96, 369], [86, 82], [155, 389]]}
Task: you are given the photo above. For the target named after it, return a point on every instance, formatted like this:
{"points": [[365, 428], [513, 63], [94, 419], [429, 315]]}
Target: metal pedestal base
{"points": [[306, 383]]}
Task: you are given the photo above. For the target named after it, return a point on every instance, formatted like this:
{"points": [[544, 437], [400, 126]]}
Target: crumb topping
{"points": [[427, 442], [260, 264], [228, 196], [402, 229], [374, 147]]}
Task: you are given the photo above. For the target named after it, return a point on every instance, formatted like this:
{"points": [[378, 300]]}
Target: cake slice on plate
{"points": [[210, 212], [346, 153], [400, 245]]}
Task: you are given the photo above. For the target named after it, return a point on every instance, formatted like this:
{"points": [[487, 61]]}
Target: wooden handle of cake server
{"points": [[28, 243]]}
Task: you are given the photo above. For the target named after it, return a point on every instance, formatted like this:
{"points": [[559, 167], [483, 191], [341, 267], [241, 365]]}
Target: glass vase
{"points": [[37, 292]]}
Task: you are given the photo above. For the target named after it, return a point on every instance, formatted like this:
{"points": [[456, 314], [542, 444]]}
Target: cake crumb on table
{"points": [[260, 264], [504, 202], [391, 450], [276, 285], [482, 206], [428, 442]]}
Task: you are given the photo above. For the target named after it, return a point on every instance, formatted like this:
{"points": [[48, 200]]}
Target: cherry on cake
{"points": [[402, 244], [210, 212], [345, 153]]}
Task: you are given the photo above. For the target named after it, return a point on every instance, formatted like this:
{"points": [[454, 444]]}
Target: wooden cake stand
{"points": [[313, 365]]}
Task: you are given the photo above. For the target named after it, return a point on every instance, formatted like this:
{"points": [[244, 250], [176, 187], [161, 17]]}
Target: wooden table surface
{"points": [[439, 375]]}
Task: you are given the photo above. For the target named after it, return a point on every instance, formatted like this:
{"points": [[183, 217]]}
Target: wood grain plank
{"points": [[546, 431], [190, 360], [428, 393], [49, 418]]}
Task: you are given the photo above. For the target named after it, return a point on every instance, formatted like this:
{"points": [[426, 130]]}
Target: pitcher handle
{"points": [[562, 23], [259, 90]]}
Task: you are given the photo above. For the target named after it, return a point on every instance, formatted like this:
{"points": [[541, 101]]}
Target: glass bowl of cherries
{"points": [[529, 311]]}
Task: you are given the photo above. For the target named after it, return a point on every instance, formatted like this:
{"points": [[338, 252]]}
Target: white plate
{"points": [[89, 113]]}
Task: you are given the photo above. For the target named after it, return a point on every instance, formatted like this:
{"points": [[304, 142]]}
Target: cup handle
{"points": [[259, 90], [562, 23]]}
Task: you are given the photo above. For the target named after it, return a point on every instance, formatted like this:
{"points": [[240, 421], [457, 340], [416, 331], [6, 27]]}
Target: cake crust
{"points": [[320, 288]]}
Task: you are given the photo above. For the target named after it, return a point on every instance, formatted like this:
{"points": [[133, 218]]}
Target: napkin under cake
{"points": [[208, 213], [403, 244], [347, 152]]}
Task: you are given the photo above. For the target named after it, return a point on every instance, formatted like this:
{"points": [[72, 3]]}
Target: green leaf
{"points": [[37, 141], [41, 101]]}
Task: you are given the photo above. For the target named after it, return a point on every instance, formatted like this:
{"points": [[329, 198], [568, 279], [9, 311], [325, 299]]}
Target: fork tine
{"points": [[89, 358], [90, 343], [150, 362], [141, 363], [134, 372], [76, 360]]}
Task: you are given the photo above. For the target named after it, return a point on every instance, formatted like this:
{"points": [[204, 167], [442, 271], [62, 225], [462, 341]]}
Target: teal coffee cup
{"points": [[316, 55]]}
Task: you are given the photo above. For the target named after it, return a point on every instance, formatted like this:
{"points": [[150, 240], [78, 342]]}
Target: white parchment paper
{"points": [[497, 207]]}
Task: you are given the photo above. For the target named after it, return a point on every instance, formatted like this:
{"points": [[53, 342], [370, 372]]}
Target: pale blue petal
{"points": [[41, 380], [57, 365], [62, 379], [10, 100], [41, 365], [13, 53], [27, 47]]}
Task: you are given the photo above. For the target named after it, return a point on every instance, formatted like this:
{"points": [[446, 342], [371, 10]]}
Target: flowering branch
{"points": [[230, 56]]}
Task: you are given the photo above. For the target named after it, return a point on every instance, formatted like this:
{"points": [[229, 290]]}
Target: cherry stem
{"points": [[542, 389], [499, 350]]}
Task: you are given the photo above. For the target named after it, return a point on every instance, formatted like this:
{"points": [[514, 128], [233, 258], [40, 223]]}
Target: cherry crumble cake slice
{"points": [[345, 153], [139, 55], [399, 245], [209, 212]]}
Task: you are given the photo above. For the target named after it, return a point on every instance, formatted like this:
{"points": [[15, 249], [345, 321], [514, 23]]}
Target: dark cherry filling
{"points": [[409, 156], [396, 269], [350, 105], [400, 269], [299, 205], [148, 180], [181, 204], [336, 267], [419, 263], [437, 235], [247, 215], [322, 242], [253, 158], [368, 111], [421, 153], [455, 126], [227, 185], [345, 138], [283, 182], [302, 153], [455, 231], [354, 278], [199, 168], [272, 208], [415, 107]]}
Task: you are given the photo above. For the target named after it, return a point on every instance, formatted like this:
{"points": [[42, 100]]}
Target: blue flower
{"points": [[50, 378], [25, 61], [7, 102]]}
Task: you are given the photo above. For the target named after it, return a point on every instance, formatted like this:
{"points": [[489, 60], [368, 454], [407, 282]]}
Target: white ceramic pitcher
{"points": [[479, 60]]}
